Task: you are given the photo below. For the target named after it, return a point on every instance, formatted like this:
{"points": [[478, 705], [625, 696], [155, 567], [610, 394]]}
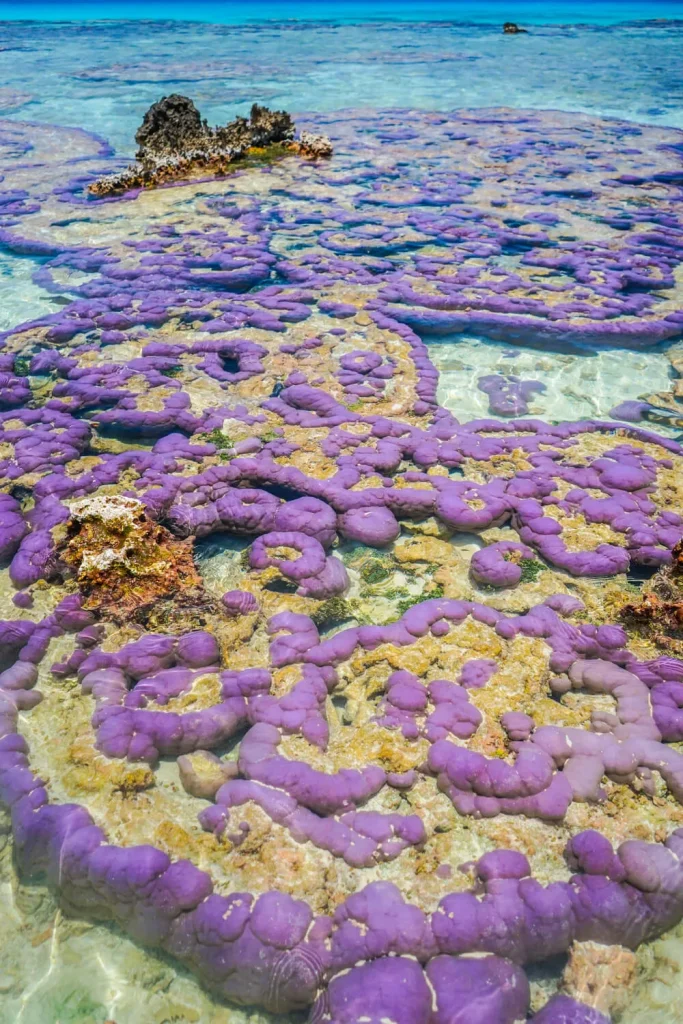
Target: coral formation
{"points": [[508, 395], [659, 611], [124, 562], [346, 723], [176, 144]]}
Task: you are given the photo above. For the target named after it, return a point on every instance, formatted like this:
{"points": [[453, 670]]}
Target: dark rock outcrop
{"points": [[172, 126], [175, 144]]}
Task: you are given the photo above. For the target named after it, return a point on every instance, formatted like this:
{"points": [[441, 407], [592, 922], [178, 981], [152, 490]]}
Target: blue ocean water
{"points": [[103, 75], [619, 59], [535, 12]]}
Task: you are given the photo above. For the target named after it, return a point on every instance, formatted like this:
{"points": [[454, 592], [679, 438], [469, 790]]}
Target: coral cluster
{"points": [[509, 396], [390, 745]]}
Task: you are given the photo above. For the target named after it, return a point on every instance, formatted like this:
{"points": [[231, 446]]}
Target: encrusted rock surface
{"points": [[124, 562], [343, 703], [176, 144], [600, 976], [659, 612]]}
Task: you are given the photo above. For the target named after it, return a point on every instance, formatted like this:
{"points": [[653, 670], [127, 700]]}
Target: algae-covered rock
{"points": [[176, 144], [123, 562]]}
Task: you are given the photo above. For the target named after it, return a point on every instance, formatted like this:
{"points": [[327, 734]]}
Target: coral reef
{"points": [[346, 721], [501, 564], [176, 144], [509, 396]]}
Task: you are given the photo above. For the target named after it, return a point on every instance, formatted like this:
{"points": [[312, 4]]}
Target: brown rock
{"points": [[314, 147], [659, 613], [176, 144], [124, 562]]}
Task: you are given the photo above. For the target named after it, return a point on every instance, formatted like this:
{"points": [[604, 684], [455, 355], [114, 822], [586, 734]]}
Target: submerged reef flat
{"points": [[351, 708], [529, 227]]}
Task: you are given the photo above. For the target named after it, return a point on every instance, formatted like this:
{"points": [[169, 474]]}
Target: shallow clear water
{"points": [[102, 76], [577, 386], [582, 56]]}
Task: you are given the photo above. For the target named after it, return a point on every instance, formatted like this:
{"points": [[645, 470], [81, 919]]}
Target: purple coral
{"points": [[292, 443], [391, 988], [375, 526], [564, 1010], [316, 574], [239, 602], [497, 565], [508, 395]]}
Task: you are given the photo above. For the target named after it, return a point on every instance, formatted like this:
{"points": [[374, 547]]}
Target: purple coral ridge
{"points": [[498, 564], [397, 989], [564, 1010], [631, 411], [640, 886], [316, 574], [184, 376]]}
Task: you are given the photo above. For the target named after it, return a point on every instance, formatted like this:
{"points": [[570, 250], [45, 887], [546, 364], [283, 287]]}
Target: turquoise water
{"points": [[534, 12], [103, 76]]}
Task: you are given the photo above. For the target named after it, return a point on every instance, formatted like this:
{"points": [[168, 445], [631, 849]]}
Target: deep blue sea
{"points": [[534, 12]]}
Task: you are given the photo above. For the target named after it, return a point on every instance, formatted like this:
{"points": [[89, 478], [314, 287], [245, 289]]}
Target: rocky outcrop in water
{"points": [[659, 612], [175, 143], [172, 126]]}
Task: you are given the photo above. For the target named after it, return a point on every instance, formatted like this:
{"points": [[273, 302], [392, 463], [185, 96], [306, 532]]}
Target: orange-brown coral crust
{"points": [[123, 562]]}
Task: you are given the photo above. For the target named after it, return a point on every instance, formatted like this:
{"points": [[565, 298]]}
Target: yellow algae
{"points": [[205, 692], [580, 535]]}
